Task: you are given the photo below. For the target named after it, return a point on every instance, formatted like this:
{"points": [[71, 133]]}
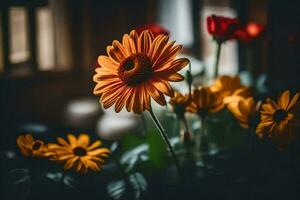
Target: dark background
{"points": [[31, 97]]}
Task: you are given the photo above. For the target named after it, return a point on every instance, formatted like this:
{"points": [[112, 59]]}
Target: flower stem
{"points": [[166, 140], [185, 124], [218, 53], [199, 140]]}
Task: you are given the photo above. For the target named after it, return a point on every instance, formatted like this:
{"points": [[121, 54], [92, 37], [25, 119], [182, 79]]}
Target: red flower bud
{"points": [[250, 32], [156, 29], [222, 28]]}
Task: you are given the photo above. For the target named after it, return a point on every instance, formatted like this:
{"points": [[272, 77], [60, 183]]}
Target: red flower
{"points": [[250, 32], [156, 29], [222, 28]]}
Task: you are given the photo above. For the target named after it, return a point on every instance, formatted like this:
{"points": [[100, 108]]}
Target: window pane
{"points": [[19, 51], [229, 52], [45, 34], [176, 16]]}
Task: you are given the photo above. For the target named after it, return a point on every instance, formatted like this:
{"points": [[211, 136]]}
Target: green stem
{"points": [[190, 81], [218, 53], [201, 133], [185, 124], [252, 142], [166, 140]]}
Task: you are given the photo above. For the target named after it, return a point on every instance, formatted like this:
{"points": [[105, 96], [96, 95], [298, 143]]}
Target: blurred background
{"points": [[49, 49]]}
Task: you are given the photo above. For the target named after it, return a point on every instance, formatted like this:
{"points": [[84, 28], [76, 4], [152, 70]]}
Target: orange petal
{"points": [[173, 77], [294, 101], [144, 42], [72, 140], [133, 34], [168, 55], [118, 47], [163, 86], [129, 45], [83, 140], [156, 95], [99, 152], [62, 141], [173, 67], [115, 54], [284, 99], [96, 144], [157, 47], [108, 63], [120, 103]]}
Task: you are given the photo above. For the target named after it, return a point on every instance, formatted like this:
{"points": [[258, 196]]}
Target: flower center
{"points": [[279, 115], [36, 145], [79, 151], [135, 69]]}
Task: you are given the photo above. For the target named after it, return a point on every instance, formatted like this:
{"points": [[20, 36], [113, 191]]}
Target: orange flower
{"points": [[230, 88], [77, 153], [180, 103], [205, 101], [279, 120], [30, 147], [245, 112], [137, 70]]}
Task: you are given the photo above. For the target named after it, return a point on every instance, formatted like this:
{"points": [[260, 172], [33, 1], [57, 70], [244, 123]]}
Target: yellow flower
{"points": [[137, 70], [278, 120], [245, 112], [230, 88], [180, 103], [205, 101], [30, 147], [76, 153]]}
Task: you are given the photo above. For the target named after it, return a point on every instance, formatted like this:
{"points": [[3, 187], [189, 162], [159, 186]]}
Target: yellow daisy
{"points": [[76, 153], [137, 70], [204, 101], [30, 147], [278, 120], [245, 112]]}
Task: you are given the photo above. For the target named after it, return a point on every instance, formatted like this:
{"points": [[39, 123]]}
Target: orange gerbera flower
{"points": [[230, 88], [30, 147], [136, 70], [279, 120], [204, 101]]}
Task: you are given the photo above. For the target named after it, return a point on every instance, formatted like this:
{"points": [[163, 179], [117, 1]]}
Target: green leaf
{"points": [[157, 149], [130, 141], [224, 130], [132, 188]]}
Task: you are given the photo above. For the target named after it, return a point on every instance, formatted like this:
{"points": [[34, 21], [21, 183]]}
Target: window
{"points": [[177, 16], [36, 35]]}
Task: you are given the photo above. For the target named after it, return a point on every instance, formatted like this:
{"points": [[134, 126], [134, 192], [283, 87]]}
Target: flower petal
{"points": [[96, 144], [83, 140], [108, 63], [72, 140]]}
